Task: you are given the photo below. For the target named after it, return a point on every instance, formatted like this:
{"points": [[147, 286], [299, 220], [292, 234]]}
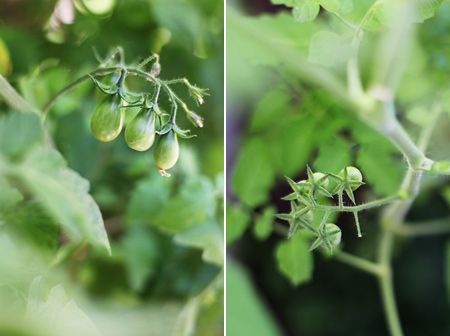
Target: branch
{"points": [[13, 98]]}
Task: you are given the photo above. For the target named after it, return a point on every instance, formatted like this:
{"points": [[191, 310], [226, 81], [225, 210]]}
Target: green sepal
{"points": [[316, 244], [106, 89]]}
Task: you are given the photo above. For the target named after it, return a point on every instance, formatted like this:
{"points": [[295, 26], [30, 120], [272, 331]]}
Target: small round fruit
{"points": [[166, 150], [107, 119], [140, 132], [318, 176], [334, 234], [353, 175]]}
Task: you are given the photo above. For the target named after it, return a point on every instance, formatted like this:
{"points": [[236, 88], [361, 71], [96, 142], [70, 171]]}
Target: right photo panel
{"points": [[338, 164]]}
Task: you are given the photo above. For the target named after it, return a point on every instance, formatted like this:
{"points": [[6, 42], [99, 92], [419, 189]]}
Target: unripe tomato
{"points": [[166, 150], [318, 176], [107, 119], [140, 132], [353, 175], [334, 238]]}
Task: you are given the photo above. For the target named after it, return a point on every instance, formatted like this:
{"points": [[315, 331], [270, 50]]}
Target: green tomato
{"points": [[140, 132], [318, 176], [166, 150], [334, 234], [353, 175], [107, 119]]}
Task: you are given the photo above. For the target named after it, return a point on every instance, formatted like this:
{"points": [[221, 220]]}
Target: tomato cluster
{"points": [[304, 200], [149, 126]]}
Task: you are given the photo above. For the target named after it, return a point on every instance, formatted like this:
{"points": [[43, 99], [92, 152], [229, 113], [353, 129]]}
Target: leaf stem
{"points": [[344, 21]]}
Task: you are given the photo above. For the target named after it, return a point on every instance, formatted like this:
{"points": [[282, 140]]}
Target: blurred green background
{"points": [[277, 122], [165, 274]]}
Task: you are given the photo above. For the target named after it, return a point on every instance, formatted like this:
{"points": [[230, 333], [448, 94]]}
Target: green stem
{"points": [[360, 207], [425, 229], [353, 76], [392, 217], [102, 71], [12, 98], [359, 263], [344, 21]]}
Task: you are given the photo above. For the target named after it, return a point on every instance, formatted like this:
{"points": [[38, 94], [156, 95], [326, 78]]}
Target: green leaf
{"points": [[294, 260], [296, 143], [64, 194], [384, 11], [208, 236], [32, 222], [195, 202], [305, 10], [264, 223], [9, 196], [254, 173], [333, 155], [148, 197], [54, 313], [269, 108], [246, 312], [141, 252], [379, 168], [330, 5], [288, 3], [19, 133], [328, 49], [237, 221], [346, 6]]}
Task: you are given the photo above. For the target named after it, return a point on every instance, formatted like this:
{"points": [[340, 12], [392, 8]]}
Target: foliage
{"points": [[93, 239], [334, 84]]}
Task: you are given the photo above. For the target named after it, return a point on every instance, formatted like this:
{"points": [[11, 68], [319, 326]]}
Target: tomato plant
{"points": [[358, 92], [93, 240]]}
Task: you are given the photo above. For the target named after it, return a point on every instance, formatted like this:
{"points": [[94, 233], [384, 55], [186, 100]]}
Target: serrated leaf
{"points": [[19, 133], [207, 236], [305, 10], [254, 173], [195, 202], [264, 223], [141, 252], [328, 49], [64, 194], [294, 260], [332, 6], [237, 221], [54, 313]]}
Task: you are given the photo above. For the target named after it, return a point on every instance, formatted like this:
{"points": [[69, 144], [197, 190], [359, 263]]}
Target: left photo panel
{"points": [[111, 167]]}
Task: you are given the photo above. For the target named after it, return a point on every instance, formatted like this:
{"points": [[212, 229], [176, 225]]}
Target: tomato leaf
{"points": [[305, 10], [254, 173], [294, 260], [264, 223], [328, 49], [237, 221]]}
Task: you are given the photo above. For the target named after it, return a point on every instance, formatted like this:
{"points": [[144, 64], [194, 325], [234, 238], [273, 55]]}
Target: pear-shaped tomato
{"points": [[166, 150], [107, 119], [140, 132]]}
